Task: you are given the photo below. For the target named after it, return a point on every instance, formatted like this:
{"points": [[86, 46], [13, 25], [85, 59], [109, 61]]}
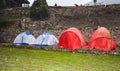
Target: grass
{"points": [[18, 59], [9, 19]]}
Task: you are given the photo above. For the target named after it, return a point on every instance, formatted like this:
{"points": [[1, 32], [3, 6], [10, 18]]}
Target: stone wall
{"points": [[86, 19], [14, 12]]}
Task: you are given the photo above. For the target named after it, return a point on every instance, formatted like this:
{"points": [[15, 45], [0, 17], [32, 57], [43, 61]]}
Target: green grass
{"points": [[9, 19], [18, 59]]}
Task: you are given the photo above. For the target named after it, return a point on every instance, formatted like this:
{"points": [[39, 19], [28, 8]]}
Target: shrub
{"points": [[2, 3], [39, 10]]}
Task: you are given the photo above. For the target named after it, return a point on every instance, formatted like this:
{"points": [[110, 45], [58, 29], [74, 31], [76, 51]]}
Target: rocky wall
{"points": [[86, 19], [14, 12]]}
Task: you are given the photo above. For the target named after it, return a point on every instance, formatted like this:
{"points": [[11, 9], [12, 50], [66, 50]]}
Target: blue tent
{"points": [[46, 39], [24, 38]]}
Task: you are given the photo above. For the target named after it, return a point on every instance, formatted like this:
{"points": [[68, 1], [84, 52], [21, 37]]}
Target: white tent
{"points": [[24, 38], [46, 39], [103, 2]]}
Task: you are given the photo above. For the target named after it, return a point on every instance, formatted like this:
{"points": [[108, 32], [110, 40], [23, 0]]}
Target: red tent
{"points": [[72, 39], [102, 40]]}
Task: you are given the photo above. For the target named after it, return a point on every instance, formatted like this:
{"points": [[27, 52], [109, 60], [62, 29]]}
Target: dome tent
{"points": [[46, 39], [24, 38], [102, 40], [72, 39]]}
